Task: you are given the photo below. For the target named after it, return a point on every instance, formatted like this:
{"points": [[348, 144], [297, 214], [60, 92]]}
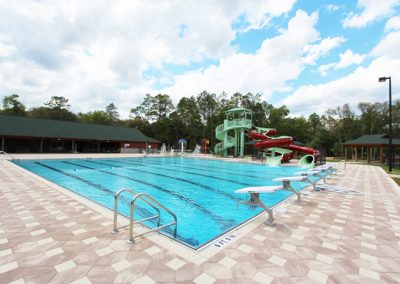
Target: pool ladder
{"points": [[149, 201], [8, 155]]}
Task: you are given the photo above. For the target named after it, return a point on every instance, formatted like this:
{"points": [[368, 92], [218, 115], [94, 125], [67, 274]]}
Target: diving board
{"points": [[287, 186], [260, 189], [310, 173], [255, 191]]}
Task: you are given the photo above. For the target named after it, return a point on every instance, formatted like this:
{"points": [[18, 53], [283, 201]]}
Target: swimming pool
{"points": [[200, 192]]}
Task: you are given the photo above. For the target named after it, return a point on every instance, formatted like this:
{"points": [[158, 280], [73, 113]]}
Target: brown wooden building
{"points": [[370, 148], [33, 135]]}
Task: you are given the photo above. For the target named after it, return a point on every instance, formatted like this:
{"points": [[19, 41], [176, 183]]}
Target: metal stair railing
{"points": [[221, 129], [240, 122], [222, 146], [5, 153], [148, 200]]}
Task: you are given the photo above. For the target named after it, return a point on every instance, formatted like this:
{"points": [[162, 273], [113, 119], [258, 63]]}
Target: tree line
{"points": [[195, 118]]}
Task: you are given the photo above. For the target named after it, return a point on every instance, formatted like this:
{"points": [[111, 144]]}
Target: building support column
{"points": [[225, 137], [355, 154], [236, 152], [345, 153], [380, 154], [3, 144], [368, 154], [242, 144]]}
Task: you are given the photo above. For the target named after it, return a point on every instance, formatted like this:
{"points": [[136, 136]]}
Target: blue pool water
{"points": [[200, 192]]}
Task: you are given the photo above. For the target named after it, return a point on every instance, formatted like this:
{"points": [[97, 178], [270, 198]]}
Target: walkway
{"points": [[47, 235]]}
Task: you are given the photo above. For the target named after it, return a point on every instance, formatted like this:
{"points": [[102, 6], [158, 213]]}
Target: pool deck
{"points": [[50, 235]]}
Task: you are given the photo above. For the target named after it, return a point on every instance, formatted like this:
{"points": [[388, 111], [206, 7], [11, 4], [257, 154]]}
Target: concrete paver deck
{"points": [[47, 235]]}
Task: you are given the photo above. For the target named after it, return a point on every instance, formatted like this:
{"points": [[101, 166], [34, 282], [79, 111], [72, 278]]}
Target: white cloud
{"points": [[6, 50], [315, 51], [332, 7], [372, 10], [393, 24], [347, 59], [388, 47], [361, 85], [254, 11], [278, 60], [99, 53]]}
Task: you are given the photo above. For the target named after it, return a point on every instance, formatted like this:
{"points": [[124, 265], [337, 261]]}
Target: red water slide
{"points": [[285, 142], [303, 149]]}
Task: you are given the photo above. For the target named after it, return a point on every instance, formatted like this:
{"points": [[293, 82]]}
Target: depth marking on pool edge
{"points": [[226, 240]]}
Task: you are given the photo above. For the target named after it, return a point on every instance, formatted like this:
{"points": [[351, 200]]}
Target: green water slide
{"points": [[276, 160], [231, 132], [307, 162]]}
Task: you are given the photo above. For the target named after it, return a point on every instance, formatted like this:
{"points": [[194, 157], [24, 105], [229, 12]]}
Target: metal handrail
{"points": [[139, 195], [237, 122], [5, 153], [142, 196], [243, 122], [115, 228], [222, 145]]}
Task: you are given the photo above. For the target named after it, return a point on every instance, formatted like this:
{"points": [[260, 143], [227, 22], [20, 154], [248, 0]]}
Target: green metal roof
{"points": [[376, 139], [45, 128]]}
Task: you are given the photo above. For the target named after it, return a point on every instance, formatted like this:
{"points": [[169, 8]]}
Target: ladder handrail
{"points": [[148, 200], [116, 197], [139, 195], [5, 153]]}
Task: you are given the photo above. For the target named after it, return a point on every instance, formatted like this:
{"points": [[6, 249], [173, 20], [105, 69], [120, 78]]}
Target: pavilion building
{"points": [[370, 148], [33, 135]]}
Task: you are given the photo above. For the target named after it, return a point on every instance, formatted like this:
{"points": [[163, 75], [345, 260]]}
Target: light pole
{"points": [[390, 159]]}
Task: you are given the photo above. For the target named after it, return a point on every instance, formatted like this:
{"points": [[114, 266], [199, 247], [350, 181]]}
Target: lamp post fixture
{"points": [[390, 159]]}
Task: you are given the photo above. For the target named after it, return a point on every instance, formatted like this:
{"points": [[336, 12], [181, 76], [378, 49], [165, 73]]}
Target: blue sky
{"points": [[308, 55]]}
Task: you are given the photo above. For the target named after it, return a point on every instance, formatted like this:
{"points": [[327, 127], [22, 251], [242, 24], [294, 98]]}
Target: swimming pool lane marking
{"points": [[130, 169], [187, 172], [141, 210], [189, 241], [216, 218], [207, 167], [177, 165], [95, 185], [198, 168], [226, 194], [261, 177], [197, 174]]}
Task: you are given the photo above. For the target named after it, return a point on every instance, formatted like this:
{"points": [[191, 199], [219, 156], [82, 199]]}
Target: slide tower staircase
{"points": [[231, 132]]}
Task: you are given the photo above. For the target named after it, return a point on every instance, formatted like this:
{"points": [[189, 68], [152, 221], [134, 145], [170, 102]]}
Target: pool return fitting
{"points": [[149, 201]]}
